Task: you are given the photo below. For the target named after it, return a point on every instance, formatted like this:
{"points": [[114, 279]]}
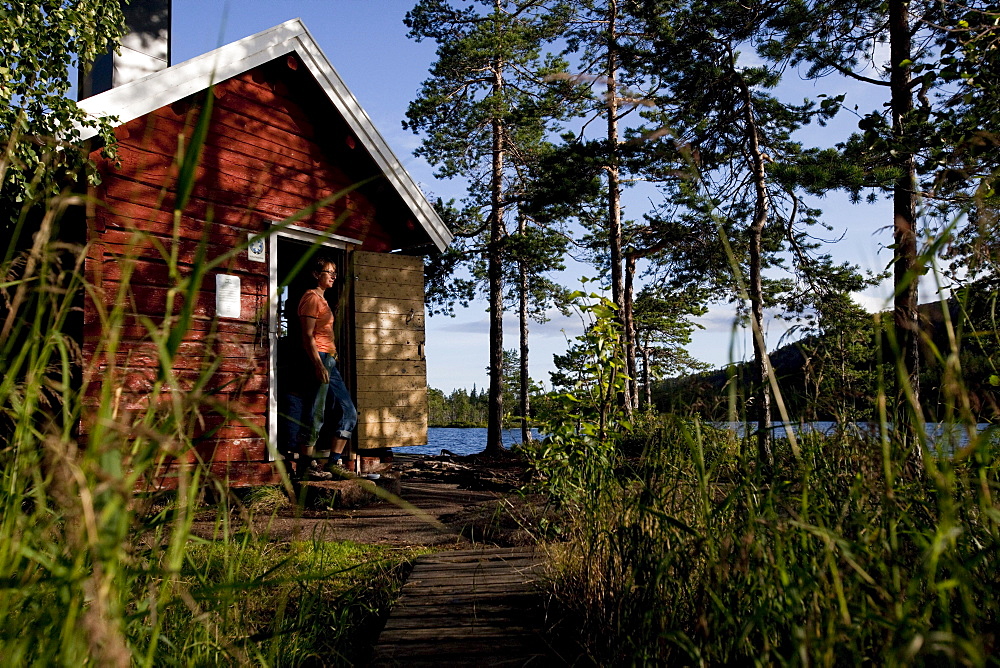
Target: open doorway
{"points": [[293, 253]]}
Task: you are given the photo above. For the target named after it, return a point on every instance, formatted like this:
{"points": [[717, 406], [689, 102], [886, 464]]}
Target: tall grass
{"points": [[678, 552], [94, 573]]}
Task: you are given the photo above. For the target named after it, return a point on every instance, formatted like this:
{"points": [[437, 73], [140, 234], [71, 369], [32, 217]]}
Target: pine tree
{"points": [[604, 35], [663, 327], [486, 100], [922, 146], [535, 249], [726, 128]]}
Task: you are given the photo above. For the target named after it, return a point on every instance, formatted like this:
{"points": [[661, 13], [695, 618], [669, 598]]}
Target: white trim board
{"points": [[161, 88]]}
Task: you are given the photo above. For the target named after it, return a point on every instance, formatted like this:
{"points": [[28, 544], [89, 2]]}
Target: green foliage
{"points": [[663, 328], [713, 106], [846, 559], [39, 124], [252, 600], [490, 90], [583, 421]]}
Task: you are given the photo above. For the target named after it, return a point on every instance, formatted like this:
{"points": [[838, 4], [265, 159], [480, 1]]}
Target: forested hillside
{"points": [[459, 408], [836, 375]]}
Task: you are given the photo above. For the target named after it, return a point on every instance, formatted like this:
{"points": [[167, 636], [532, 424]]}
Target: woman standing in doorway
{"points": [[323, 395]]}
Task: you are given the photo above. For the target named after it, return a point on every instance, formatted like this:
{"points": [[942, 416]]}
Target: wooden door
{"points": [[391, 370]]}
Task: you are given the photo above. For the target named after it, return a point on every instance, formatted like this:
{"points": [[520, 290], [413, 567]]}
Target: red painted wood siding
{"points": [[261, 161]]}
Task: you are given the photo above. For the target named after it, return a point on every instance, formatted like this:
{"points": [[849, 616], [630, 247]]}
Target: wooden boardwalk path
{"points": [[470, 608]]}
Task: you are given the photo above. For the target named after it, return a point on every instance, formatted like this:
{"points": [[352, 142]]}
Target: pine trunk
{"points": [[629, 322], [523, 317], [762, 394], [905, 312], [494, 432], [614, 180], [647, 388]]}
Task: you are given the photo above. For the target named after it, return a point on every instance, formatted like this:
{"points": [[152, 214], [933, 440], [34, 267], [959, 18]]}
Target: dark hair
{"points": [[321, 261]]}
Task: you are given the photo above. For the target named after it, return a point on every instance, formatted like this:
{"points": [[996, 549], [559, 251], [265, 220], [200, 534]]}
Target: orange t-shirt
{"points": [[313, 306]]}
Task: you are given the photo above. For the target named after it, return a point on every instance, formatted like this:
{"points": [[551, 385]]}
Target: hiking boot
{"points": [[335, 466], [316, 472]]}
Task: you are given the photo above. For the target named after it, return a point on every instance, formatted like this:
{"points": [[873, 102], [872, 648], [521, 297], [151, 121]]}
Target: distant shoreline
{"points": [[470, 425], [458, 425]]}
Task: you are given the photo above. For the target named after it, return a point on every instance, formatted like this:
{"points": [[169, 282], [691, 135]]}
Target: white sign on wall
{"points": [[255, 251], [227, 296]]}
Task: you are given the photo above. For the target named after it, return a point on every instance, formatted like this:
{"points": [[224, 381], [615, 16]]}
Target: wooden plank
{"points": [[443, 617], [121, 194], [401, 352], [482, 634], [527, 562], [241, 173], [131, 246], [143, 379], [390, 260], [416, 413], [390, 430], [157, 273], [390, 275], [473, 616], [396, 291], [233, 450], [373, 337], [132, 330], [391, 398], [377, 367], [393, 384], [506, 619], [443, 591], [387, 321], [445, 581], [371, 442], [193, 355], [380, 276], [153, 300], [241, 405], [389, 305], [261, 203], [236, 183], [256, 140], [236, 474]]}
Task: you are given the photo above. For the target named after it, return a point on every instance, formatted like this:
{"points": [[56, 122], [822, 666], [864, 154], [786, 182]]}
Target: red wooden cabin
{"points": [[284, 133]]}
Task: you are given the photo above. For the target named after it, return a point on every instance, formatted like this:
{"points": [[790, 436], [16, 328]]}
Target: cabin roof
{"points": [[140, 97]]}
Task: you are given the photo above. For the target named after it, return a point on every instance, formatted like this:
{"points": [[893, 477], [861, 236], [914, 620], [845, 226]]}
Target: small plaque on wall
{"points": [[227, 296], [255, 251]]}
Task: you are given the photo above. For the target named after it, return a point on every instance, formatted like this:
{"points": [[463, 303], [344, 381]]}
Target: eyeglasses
{"points": [[332, 272]]}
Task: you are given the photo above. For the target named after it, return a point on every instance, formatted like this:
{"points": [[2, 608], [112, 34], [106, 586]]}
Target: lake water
{"points": [[460, 440], [472, 440], [947, 437]]}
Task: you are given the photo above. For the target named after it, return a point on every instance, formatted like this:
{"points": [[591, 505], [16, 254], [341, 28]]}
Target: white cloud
{"points": [[871, 303], [718, 319]]}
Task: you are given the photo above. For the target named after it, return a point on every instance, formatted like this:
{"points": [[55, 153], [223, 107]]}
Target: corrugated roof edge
{"points": [[161, 88]]}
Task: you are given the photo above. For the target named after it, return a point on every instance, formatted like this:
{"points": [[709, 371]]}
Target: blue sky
{"points": [[366, 42]]}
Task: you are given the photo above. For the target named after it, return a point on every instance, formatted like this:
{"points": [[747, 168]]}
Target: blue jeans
{"points": [[306, 413]]}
